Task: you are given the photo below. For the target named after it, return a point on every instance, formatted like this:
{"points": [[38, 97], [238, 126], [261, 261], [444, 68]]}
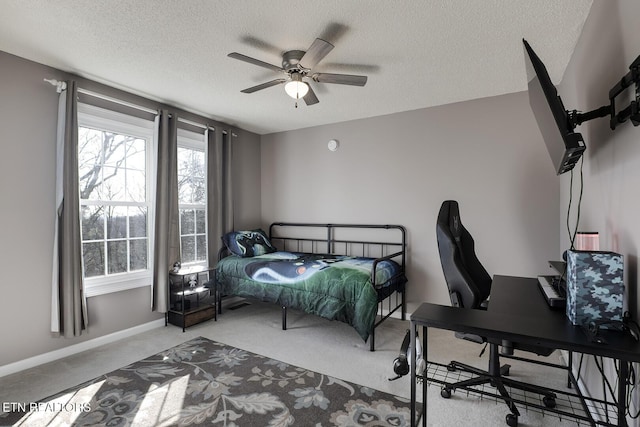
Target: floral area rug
{"points": [[202, 382]]}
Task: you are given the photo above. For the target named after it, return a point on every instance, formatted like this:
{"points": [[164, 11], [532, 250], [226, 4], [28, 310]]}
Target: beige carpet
{"points": [[330, 348]]}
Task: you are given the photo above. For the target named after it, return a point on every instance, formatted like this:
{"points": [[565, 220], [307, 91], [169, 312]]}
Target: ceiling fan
{"points": [[297, 66]]}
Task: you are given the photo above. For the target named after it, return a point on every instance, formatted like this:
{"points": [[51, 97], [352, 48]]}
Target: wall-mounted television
{"points": [[564, 145]]}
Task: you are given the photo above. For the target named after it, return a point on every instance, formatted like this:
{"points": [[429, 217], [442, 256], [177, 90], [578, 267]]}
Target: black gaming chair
{"points": [[469, 288]]}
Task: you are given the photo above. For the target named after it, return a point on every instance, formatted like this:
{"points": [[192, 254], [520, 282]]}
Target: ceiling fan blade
{"points": [[264, 85], [341, 79], [310, 98], [250, 60], [318, 50]]}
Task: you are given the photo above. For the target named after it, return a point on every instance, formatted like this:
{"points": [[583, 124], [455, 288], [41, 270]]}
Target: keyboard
{"points": [[553, 290]]}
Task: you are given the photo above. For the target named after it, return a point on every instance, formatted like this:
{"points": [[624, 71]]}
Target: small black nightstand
{"points": [[192, 296]]}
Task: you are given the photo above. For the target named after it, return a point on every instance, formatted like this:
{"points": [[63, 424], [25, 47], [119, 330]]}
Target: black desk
{"points": [[518, 312]]}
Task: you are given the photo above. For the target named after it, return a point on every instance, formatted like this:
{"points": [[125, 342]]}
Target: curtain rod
{"points": [[204, 126], [196, 124], [117, 101], [61, 85]]}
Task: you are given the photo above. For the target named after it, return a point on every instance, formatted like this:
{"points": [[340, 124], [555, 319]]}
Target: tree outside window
{"points": [[115, 201], [112, 170], [192, 195]]}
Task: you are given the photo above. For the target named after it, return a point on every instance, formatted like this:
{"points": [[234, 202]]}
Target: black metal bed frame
{"points": [[329, 243]]}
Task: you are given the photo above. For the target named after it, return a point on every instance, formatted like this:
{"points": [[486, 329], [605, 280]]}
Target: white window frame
{"points": [[99, 118], [193, 140]]}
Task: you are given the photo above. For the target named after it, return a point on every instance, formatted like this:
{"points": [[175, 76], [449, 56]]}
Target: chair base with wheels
{"points": [[495, 376]]}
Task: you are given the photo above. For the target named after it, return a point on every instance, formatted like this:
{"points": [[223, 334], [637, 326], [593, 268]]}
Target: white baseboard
{"points": [[40, 359]]}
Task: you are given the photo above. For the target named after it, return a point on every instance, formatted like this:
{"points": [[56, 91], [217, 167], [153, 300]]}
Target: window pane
{"points": [[185, 191], [89, 160], [201, 248], [92, 222], [199, 190], [136, 186], [184, 161], [113, 184], [117, 255], [138, 222], [188, 249], [117, 222], [93, 257], [187, 221], [93, 189], [138, 254], [201, 222], [137, 155], [90, 184], [115, 149], [192, 199], [89, 146], [113, 156], [199, 164]]}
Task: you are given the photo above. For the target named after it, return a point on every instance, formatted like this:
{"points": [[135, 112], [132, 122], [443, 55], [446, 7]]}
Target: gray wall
{"points": [[28, 114], [609, 43], [487, 154], [246, 179]]}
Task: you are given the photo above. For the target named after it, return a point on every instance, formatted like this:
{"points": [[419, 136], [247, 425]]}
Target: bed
{"points": [[347, 272]]}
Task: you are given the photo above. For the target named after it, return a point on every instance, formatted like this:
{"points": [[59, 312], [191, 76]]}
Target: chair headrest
{"points": [[454, 221], [449, 219]]}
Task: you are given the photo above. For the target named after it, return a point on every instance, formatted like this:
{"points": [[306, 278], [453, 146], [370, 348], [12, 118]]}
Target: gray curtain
{"points": [[219, 190], [69, 309], [166, 224]]}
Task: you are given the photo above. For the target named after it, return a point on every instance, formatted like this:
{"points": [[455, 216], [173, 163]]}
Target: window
{"points": [[115, 171], [192, 197]]}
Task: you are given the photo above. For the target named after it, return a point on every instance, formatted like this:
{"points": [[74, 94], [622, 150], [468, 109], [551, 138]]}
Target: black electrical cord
{"points": [[631, 381], [572, 235], [605, 381]]}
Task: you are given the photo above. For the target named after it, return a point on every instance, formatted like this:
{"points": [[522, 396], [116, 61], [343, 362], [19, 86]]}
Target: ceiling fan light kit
{"points": [[297, 66], [296, 88]]}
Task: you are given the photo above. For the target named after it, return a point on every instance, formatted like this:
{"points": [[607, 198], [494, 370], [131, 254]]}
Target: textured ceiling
{"points": [[417, 53]]}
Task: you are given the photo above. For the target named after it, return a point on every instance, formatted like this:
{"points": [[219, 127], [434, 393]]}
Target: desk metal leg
{"points": [[413, 378], [413, 346], [424, 376], [622, 392], [569, 384]]}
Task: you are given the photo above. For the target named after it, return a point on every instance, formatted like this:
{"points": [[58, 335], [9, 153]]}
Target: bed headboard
{"points": [[367, 240]]}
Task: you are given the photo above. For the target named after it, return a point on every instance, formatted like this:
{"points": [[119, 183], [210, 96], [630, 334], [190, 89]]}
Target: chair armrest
{"points": [[455, 299]]}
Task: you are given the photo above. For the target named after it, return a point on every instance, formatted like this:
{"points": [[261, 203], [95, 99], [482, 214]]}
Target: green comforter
{"points": [[331, 286]]}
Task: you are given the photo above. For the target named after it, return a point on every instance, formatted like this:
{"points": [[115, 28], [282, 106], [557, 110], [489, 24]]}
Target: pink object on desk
{"points": [[587, 241]]}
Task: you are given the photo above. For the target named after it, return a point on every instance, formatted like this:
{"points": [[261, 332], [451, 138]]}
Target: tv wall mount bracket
{"points": [[630, 112]]}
